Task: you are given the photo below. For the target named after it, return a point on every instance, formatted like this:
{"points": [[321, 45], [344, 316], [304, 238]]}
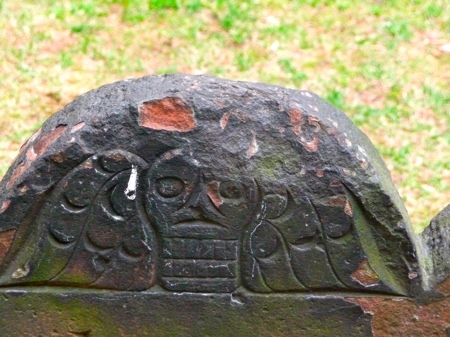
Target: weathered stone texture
{"points": [[210, 207]]}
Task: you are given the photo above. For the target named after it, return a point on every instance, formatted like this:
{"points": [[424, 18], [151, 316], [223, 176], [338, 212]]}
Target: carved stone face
{"points": [[185, 201]]}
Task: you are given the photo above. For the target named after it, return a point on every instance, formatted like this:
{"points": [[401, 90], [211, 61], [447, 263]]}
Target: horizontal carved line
{"points": [[199, 279], [197, 259]]}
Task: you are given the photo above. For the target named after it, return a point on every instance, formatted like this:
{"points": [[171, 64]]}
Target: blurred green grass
{"points": [[384, 63]]}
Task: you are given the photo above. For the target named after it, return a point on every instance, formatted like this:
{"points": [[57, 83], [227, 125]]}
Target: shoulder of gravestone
{"points": [[435, 247]]}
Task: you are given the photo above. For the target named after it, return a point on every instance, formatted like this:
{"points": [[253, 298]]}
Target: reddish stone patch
{"points": [[348, 172], [335, 184], [171, 154], [219, 104], [5, 206], [212, 189], [320, 173], [296, 120], [116, 156], [412, 276], [57, 158], [314, 122], [444, 287], [5, 242], [35, 151], [18, 171], [48, 139], [77, 127], [224, 120], [403, 317], [348, 209], [310, 146], [339, 200], [31, 139], [31, 155], [333, 132], [365, 275], [169, 113]]}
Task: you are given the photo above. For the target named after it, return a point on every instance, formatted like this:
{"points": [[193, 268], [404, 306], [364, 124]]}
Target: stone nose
{"points": [[199, 203], [194, 201]]}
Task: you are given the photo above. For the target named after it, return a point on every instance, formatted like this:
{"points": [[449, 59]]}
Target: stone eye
{"points": [[169, 187], [231, 190]]}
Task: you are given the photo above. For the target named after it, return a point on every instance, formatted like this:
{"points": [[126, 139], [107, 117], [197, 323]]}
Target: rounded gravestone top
{"points": [[197, 184]]}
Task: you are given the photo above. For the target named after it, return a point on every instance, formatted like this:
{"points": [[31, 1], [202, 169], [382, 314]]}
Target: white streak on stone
{"points": [[362, 151], [130, 191], [260, 216], [235, 300]]}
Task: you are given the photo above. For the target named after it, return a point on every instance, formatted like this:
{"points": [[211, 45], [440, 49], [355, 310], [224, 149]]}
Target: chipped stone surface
{"points": [[35, 151], [5, 241], [48, 139], [21, 272], [444, 286], [365, 274], [170, 114], [213, 193], [253, 148], [296, 120], [19, 170], [310, 146], [31, 139], [348, 209], [403, 317], [77, 127], [224, 120], [5, 206]]}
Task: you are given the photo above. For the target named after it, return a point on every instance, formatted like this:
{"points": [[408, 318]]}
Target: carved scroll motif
{"points": [[117, 222], [90, 232]]}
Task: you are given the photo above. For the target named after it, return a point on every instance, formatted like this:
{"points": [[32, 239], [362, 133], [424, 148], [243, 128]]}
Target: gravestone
{"points": [[194, 206]]}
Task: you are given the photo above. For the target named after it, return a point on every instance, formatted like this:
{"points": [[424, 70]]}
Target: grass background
{"points": [[386, 64]]}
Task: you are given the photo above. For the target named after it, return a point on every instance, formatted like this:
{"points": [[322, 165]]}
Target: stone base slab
{"points": [[71, 312]]}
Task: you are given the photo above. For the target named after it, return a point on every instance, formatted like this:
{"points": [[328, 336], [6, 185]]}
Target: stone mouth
{"points": [[195, 223]]}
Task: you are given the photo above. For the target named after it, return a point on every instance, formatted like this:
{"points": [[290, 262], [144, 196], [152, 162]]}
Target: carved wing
{"points": [[322, 244], [301, 227], [92, 232], [269, 261], [288, 246]]}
